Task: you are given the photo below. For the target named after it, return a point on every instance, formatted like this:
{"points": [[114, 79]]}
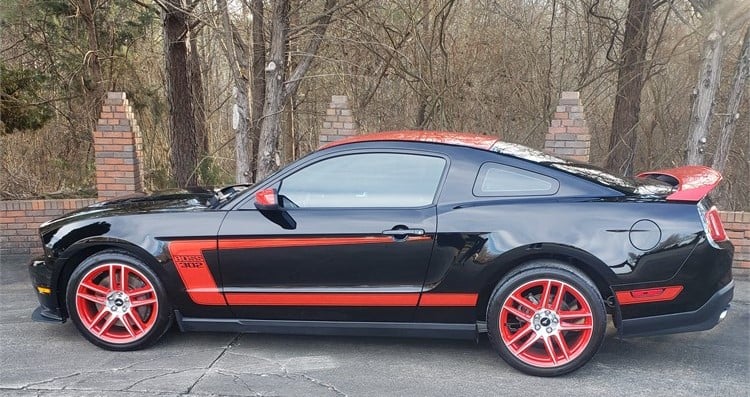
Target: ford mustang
{"points": [[406, 233]]}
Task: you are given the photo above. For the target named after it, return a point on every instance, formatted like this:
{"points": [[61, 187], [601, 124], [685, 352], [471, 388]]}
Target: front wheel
{"points": [[117, 302], [546, 319]]}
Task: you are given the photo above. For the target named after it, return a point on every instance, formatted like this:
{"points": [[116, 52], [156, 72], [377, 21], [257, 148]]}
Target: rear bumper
{"points": [[701, 319]]}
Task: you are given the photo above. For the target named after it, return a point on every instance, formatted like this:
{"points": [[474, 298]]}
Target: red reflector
{"points": [[715, 227], [647, 295]]}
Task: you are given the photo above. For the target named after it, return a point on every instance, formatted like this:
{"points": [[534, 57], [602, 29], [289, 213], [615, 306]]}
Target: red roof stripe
{"points": [[449, 138]]}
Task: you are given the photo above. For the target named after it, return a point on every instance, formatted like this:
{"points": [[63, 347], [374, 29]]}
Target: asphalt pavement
{"points": [[40, 359]]}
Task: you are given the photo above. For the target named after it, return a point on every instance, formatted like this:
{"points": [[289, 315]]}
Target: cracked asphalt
{"points": [[39, 359]]}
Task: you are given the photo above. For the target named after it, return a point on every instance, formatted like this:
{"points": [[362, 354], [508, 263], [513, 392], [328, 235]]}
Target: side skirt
{"points": [[350, 328]]}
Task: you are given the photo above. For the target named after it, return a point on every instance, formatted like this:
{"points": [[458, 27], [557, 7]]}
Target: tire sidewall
{"points": [[164, 311], [556, 272]]}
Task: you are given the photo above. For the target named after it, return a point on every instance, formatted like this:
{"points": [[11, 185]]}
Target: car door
{"points": [[351, 243]]}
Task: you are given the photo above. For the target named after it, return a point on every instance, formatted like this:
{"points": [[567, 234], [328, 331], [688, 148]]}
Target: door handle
{"points": [[404, 232]]}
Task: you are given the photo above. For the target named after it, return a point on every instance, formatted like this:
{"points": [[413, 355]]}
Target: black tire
{"points": [[532, 331], [126, 316]]}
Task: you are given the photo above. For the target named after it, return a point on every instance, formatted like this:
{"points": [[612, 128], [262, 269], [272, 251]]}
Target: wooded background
{"points": [[229, 90]]}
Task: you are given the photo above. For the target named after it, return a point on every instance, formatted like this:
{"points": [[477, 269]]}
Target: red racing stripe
{"points": [[322, 299], [440, 299], [277, 242], [187, 256]]}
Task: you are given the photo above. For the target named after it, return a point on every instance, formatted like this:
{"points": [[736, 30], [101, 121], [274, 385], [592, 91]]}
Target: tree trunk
{"points": [[729, 121], [278, 90], [199, 103], [237, 56], [259, 81], [630, 78], [92, 56], [184, 142], [268, 147], [705, 93]]}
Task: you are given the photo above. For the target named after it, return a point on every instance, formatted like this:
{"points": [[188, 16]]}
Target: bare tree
{"points": [[709, 78], [258, 79], [278, 89], [630, 79], [238, 56], [187, 133], [729, 120]]}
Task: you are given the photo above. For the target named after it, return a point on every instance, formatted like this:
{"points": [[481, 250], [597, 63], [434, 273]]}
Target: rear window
{"points": [[627, 185], [502, 180]]}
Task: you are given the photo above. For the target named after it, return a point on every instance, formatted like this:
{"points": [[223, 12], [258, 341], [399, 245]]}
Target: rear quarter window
{"points": [[498, 180]]}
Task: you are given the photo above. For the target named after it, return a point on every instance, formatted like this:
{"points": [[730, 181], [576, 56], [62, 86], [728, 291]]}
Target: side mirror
{"points": [[267, 200]]}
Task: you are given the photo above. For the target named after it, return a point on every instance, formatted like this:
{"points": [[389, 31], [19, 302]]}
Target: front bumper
{"points": [[41, 280], [701, 319]]}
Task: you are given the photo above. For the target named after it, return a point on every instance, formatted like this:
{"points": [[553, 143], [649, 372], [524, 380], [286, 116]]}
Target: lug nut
{"points": [[554, 319], [537, 327], [546, 312], [536, 316], [549, 330]]}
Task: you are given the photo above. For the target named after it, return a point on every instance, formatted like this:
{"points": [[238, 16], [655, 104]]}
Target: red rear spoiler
{"points": [[693, 182]]}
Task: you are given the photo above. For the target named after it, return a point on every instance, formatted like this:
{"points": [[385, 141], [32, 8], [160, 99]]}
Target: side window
{"points": [[502, 180], [366, 180]]}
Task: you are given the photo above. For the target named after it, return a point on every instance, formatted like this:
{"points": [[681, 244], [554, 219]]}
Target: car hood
{"points": [[194, 199]]}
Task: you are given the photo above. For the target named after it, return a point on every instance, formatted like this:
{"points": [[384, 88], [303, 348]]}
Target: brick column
{"points": [[339, 122], [118, 148], [568, 136]]}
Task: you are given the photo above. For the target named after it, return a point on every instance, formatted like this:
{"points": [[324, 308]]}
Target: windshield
{"points": [[627, 185]]}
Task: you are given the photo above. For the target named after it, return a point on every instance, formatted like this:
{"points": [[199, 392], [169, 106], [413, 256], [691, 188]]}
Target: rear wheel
{"points": [[546, 319], [117, 302]]}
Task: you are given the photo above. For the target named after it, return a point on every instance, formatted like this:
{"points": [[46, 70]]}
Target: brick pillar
{"points": [[568, 136], [118, 148], [339, 122]]}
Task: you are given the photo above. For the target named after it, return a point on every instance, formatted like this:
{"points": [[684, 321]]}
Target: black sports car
{"points": [[403, 234]]}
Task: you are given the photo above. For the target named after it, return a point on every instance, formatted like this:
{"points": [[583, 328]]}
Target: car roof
{"points": [[448, 138]]}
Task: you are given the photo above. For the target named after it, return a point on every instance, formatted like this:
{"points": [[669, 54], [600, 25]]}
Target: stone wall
{"points": [[118, 153], [20, 220], [737, 225]]}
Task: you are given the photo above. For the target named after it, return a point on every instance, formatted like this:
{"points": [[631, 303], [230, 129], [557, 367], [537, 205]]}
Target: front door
{"points": [[356, 247]]}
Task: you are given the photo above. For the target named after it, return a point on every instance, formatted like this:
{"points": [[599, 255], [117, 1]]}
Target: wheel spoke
{"points": [[523, 331], [99, 316], [112, 278], [521, 315], [526, 344], [550, 349], [557, 303], [127, 325], [136, 320], [546, 288], [574, 315], [123, 278], [94, 287], [143, 302], [140, 291], [96, 299], [563, 345], [528, 305], [574, 327], [107, 324]]}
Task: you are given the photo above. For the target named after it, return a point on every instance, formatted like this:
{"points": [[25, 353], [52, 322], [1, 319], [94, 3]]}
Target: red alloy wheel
{"points": [[546, 323], [116, 303]]}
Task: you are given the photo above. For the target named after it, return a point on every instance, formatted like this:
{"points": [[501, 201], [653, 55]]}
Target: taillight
{"points": [[715, 227]]}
